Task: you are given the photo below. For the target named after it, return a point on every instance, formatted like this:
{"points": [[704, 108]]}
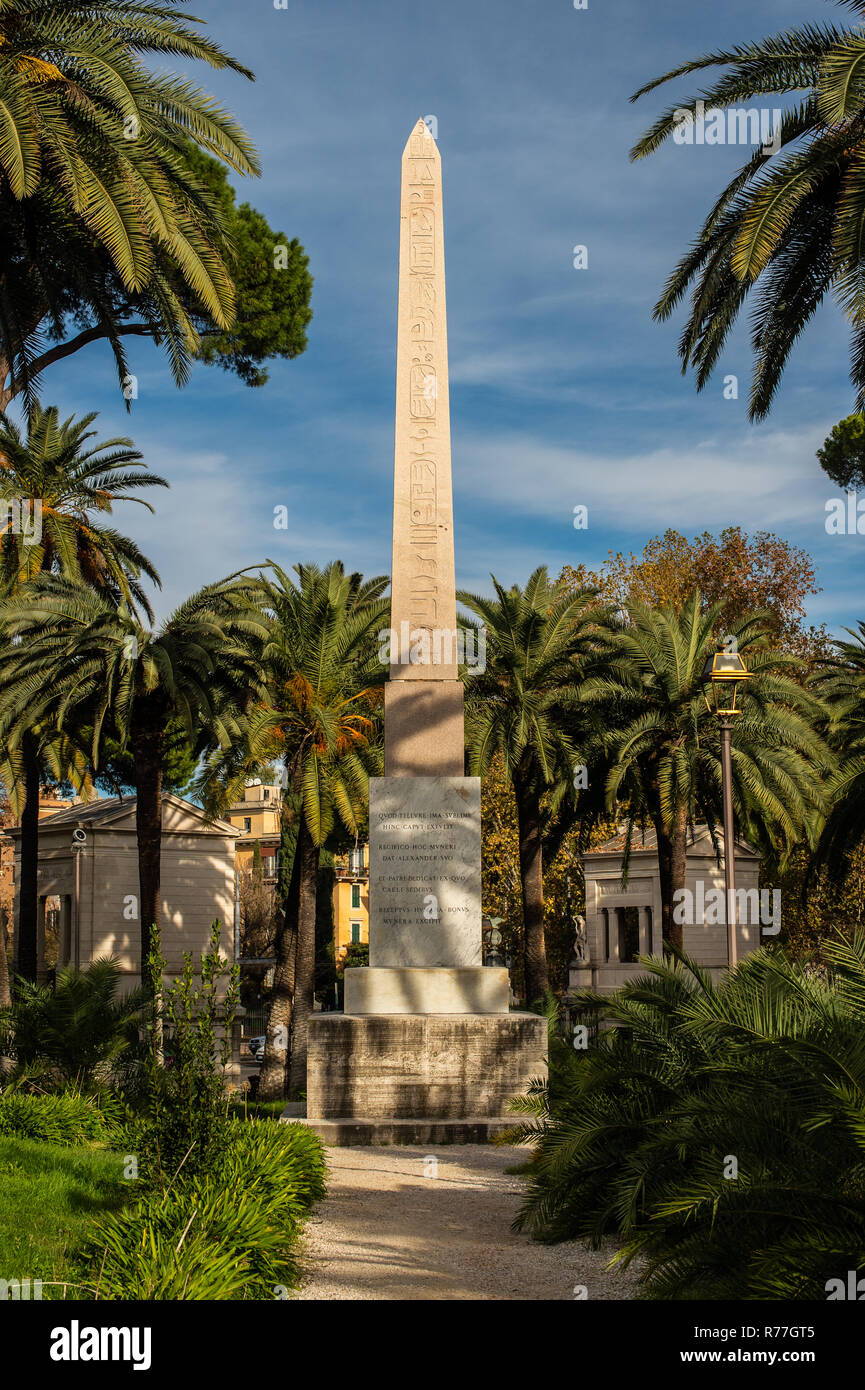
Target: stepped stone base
{"points": [[482, 989], [350, 1134], [423, 1068]]}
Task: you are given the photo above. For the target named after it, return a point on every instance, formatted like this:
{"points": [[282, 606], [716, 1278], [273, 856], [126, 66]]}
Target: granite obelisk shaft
{"points": [[424, 731]]}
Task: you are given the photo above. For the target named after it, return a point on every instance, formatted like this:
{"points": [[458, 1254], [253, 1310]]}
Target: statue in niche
{"points": [[581, 944]]}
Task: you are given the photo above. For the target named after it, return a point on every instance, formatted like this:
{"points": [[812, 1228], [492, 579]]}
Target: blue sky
{"points": [[563, 390]]}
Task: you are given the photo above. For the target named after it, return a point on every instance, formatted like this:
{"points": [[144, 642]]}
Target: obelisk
{"points": [[427, 1049], [425, 951], [424, 733]]}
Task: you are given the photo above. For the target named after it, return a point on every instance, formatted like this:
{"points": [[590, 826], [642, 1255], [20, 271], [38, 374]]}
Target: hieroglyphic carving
{"points": [[423, 582], [423, 386]]}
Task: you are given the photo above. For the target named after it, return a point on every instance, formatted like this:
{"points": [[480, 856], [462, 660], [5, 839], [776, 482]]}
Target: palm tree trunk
{"points": [[532, 879], [273, 1077], [5, 991], [304, 992], [147, 741], [672, 866], [28, 888]]}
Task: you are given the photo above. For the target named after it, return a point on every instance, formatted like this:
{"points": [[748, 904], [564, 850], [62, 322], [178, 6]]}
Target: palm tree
{"points": [[101, 209], [526, 707], [322, 721], [790, 223], [85, 660], [634, 1136], [841, 683], [33, 754], [81, 1025], [6, 818], [663, 745], [73, 484]]}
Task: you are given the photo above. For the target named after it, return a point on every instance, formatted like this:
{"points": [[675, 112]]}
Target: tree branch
{"points": [[90, 335]]}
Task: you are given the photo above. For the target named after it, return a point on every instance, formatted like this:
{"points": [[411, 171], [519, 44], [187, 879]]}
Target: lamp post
{"points": [[79, 844], [727, 676]]}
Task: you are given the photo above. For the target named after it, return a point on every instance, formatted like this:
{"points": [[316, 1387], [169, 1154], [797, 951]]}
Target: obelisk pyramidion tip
{"points": [[421, 141]]}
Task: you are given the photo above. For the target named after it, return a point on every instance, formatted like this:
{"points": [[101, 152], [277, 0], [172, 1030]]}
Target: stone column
{"points": [[615, 929], [645, 931], [65, 953], [41, 971]]}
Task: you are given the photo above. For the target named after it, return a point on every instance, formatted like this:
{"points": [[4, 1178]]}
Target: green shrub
{"points": [[78, 1029], [718, 1131], [227, 1235], [262, 1156], [186, 1110], [55, 1119]]}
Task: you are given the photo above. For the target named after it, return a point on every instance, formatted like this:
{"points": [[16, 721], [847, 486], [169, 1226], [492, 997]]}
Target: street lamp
{"points": [[726, 676], [79, 844]]}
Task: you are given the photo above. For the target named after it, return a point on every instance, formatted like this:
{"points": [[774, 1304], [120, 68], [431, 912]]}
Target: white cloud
{"points": [[758, 479]]}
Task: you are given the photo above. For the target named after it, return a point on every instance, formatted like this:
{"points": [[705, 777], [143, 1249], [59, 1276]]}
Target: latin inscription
{"points": [[425, 892]]}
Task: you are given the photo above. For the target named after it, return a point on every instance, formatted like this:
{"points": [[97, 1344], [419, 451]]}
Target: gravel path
{"points": [[415, 1223]]}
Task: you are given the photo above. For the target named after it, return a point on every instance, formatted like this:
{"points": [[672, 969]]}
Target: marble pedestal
{"points": [[419, 1078], [427, 1050]]}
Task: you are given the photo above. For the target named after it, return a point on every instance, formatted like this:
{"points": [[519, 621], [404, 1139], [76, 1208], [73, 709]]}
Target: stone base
{"points": [[421, 1067], [483, 989], [580, 976], [350, 1134]]}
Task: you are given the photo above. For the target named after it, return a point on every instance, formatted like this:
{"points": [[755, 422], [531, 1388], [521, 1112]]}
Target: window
{"points": [[355, 896], [355, 933], [247, 823]]}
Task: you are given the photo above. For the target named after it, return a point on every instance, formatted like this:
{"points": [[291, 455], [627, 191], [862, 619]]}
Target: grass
{"points": [[70, 1220], [258, 1109], [48, 1194]]}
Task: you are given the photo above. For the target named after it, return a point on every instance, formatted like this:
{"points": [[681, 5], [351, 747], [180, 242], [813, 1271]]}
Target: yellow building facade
{"points": [[258, 817], [350, 900]]}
